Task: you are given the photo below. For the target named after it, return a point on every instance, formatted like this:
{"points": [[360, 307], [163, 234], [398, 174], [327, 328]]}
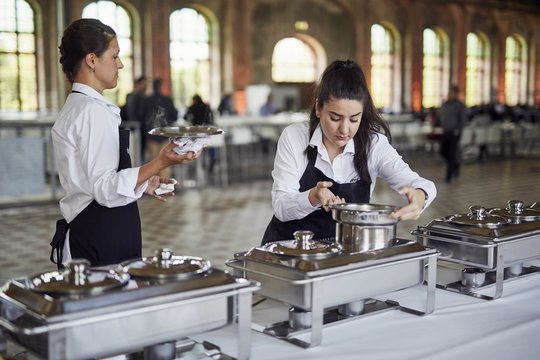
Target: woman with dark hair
{"points": [[101, 220], [336, 158]]}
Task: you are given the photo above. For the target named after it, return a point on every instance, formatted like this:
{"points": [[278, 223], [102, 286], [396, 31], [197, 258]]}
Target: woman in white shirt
{"points": [[336, 158], [101, 219]]}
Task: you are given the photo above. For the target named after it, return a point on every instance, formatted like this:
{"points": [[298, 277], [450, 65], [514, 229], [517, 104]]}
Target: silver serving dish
{"points": [[320, 284], [491, 240], [186, 131], [150, 312]]}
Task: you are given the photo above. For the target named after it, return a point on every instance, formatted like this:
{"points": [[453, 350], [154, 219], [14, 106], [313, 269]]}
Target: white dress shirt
{"points": [[86, 142], [291, 162]]}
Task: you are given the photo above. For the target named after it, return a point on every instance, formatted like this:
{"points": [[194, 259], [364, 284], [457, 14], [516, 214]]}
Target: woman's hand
{"points": [[416, 199], [170, 157], [154, 182], [322, 195]]}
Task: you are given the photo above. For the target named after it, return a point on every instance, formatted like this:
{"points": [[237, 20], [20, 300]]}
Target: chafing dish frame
{"points": [[55, 337], [318, 290], [478, 250]]}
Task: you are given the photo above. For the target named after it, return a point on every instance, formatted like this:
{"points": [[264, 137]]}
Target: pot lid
{"points": [[78, 278], [303, 246], [478, 217], [165, 265], [363, 214], [516, 211]]}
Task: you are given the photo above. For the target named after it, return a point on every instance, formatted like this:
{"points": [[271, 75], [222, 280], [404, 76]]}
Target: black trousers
{"points": [[450, 153]]}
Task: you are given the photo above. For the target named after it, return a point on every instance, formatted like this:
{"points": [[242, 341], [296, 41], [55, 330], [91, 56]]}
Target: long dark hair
{"points": [[82, 37], [346, 80]]}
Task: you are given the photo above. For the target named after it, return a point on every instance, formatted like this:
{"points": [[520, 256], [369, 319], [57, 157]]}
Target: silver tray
{"points": [[186, 131]]}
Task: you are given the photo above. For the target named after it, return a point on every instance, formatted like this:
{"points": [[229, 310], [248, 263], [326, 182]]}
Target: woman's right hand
{"points": [[322, 195], [169, 156]]}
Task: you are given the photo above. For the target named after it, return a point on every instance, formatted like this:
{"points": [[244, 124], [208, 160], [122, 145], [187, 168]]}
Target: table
{"points": [[461, 327]]}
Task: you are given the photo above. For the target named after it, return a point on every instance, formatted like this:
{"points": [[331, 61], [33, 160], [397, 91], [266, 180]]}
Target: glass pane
{"points": [[28, 90], [25, 17], [293, 61], [189, 49], [8, 42], [7, 15], [8, 82], [27, 43]]}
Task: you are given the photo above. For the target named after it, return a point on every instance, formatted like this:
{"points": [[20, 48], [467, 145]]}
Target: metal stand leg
{"points": [[244, 325]]}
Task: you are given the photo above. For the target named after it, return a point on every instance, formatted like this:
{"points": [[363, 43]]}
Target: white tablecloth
{"points": [[461, 327]]}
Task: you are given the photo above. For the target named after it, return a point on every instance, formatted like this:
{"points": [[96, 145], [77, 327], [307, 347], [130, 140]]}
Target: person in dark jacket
{"points": [[199, 113], [452, 116], [158, 111]]}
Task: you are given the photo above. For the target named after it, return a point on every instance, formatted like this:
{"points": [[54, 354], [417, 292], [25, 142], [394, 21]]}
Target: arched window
{"points": [[18, 60], [477, 90], [293, 60], [118, 18], [190, 55], [382, 66], [515, 71], [434, 73]]}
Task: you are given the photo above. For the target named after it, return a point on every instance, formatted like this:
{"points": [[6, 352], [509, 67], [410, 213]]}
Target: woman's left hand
{"points": [[412, 211], [154, 182]]}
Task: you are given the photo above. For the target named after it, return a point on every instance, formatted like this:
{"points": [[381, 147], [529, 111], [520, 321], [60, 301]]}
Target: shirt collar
{"points": [[89, 91]]}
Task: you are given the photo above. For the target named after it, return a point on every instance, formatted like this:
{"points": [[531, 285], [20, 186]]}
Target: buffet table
{"points": [[460, 327]]}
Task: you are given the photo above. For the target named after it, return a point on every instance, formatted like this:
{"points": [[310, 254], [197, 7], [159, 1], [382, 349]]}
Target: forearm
{"points": [[150, 169]]}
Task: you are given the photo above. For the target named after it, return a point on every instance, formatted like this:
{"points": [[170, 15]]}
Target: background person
{"points": [[101, 219], [199, 113], [452, 118], [133, 108], [337, 158], [158, 110]]}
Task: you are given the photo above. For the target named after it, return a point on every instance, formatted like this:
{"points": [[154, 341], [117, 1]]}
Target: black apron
{"points": [[100, 234], [320, 222]]}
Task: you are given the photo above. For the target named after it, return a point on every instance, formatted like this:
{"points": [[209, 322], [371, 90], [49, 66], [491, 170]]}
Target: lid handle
{"points": [[164, 256], [515, 206], [303, 238], [477, 212], [77, 271]]}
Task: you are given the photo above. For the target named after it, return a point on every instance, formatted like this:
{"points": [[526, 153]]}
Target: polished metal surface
{"points": [[145, 313], [491, 242], [319, 284], [186, 131]]}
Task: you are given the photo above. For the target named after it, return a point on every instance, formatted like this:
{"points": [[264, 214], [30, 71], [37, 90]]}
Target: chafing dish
{"points": [[79, 313], [324, 284], [497, 241]]}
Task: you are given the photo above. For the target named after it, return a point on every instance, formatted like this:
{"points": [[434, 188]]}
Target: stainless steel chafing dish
{"points": [[490, 245], [323, 284], [145, 305]]}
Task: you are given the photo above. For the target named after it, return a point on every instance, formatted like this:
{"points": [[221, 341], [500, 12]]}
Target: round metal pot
{"points": [[364, 227]]}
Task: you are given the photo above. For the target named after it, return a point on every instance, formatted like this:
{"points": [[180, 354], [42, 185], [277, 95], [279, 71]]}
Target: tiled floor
{"points": [[214, 222]]}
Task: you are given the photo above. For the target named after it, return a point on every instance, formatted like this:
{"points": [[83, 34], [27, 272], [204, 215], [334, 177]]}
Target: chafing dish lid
{"points": [[77, 278], [186, 131], [302, 246], [165, 265], [516, 211], [478, 217]]}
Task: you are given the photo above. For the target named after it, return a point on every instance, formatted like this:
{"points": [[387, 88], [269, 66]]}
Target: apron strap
{"points": [[57, 243]]}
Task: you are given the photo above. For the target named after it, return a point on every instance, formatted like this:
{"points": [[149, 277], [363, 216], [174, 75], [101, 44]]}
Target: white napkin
{"points": [[165, 187], [187, 144]]}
